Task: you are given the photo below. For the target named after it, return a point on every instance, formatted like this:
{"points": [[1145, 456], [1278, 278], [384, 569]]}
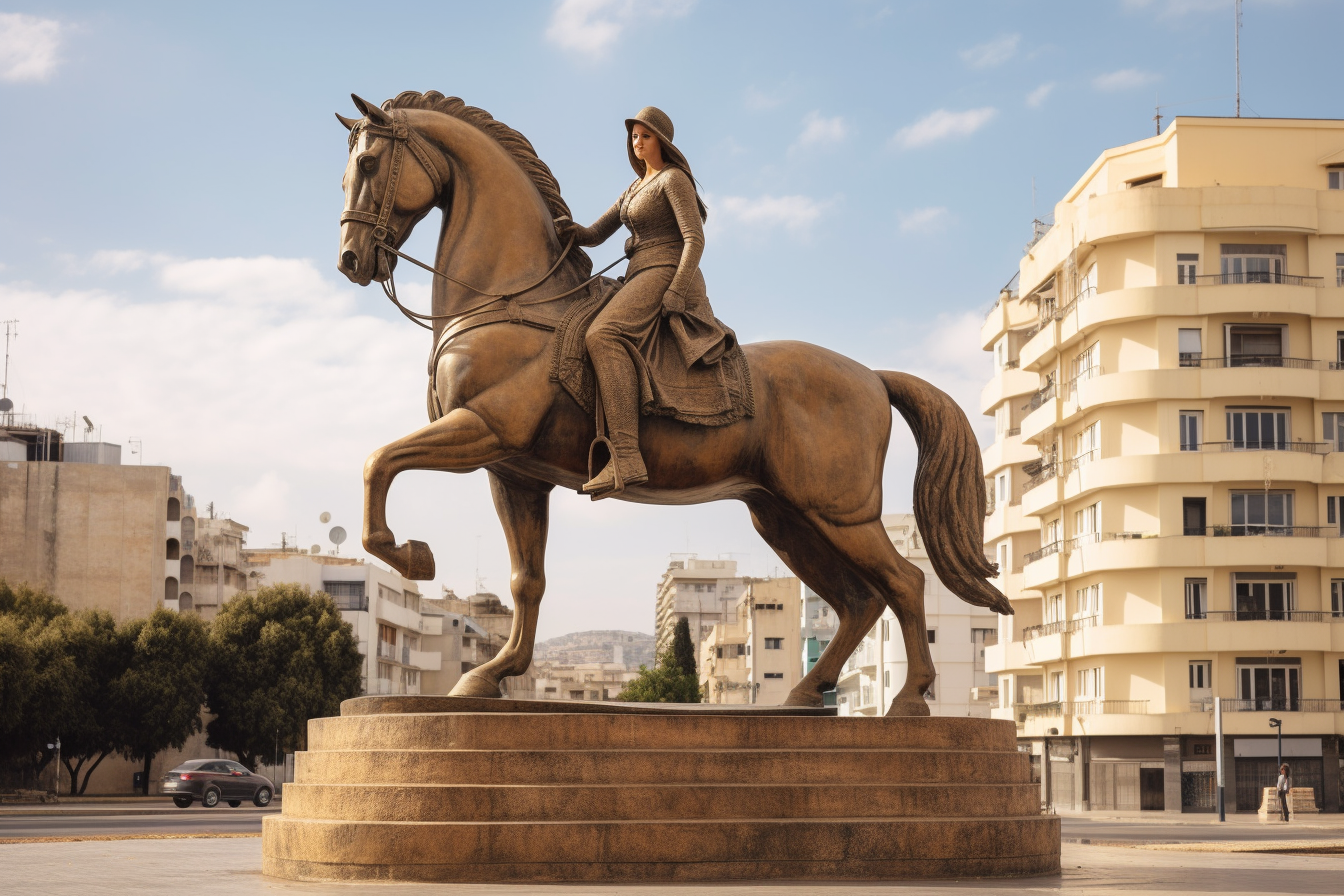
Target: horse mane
{"points": [[515, 144]]}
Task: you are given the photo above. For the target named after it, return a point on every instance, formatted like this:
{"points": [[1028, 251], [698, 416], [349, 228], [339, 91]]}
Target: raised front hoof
{"points": [[419, 561], [908, 706], [472, 685], [804, 698]]}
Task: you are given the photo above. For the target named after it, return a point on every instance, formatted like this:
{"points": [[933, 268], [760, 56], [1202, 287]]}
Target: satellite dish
{"points": [[337, 535], [324, 518], [6, 405], [315, 549]]}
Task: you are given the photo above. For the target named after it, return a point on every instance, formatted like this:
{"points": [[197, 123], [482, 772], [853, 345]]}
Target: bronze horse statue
{"points": [[808, 463]]}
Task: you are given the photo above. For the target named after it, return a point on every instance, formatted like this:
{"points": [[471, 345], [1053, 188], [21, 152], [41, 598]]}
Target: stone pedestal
{"points": [[408, 789]]}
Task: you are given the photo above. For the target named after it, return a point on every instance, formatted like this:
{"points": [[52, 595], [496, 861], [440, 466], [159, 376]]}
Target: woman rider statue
{"points": [[656, 346]]}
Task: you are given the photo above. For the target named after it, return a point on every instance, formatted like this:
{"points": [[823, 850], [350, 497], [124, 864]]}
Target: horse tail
{"points": [[949, 489]]}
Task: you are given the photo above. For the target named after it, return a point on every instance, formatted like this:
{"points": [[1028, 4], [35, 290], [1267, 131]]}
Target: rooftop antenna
{"points": [[1238, 55], [88, 427], [336, 536], [11, 331], [1157, 115], [480, 583]]}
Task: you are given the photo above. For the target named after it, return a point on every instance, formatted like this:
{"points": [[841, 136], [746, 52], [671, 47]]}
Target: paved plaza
{"points": [[232, 867]]}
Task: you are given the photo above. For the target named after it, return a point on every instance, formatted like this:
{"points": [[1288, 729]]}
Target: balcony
{"points": [[1264, 616], [388, 652], [1236, 279], [1271, 704], [1267, 445], [1053, 548], [1061, 708], [1058, 628], [1245, 531], [1040, 398], [1195, 359]]}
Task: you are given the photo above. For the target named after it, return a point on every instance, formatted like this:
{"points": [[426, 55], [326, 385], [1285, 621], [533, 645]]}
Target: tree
{"points": [[277, 658], [673, 679], [38, 681], [160, 695], [92, 725]]}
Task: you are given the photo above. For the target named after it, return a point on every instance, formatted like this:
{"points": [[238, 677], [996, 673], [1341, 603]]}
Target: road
{"points": [[1074, 829], [84, 821]]}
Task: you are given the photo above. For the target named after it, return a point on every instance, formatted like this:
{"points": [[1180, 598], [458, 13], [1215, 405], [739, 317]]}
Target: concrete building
{"points": [[701, 591], [752, 657], [485, 628], [1167, 475], [75, 522], [580, 681], [213, 567], [957, 632], [383, 608], [628, 649]]}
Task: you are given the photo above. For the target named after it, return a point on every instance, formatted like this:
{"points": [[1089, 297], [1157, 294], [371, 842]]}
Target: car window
{"points": [[214, 767], [237, 767]]}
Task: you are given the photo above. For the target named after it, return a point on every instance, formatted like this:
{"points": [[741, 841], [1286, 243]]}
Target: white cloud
{"points": [[796, 214], [124, 261], [593, 26], [942, 124], [1037, 97], [759, 100], [28, 47], [820, 131], [924, 220], [1124, 79], [991, 53]]}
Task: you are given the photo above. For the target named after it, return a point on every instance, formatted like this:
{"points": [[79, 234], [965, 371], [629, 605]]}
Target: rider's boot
{"points": [[619, 393]]}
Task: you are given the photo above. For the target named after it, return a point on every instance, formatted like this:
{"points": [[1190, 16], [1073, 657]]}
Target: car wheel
{"points": [[235, 803], [210, 799], [182, 802], [262, 797]]}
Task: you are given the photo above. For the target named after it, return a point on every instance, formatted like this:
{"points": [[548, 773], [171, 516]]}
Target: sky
{"points": [[171, 193]]}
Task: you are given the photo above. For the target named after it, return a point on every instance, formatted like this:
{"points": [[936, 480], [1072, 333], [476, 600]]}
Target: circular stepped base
{"points": [[498, 797]]}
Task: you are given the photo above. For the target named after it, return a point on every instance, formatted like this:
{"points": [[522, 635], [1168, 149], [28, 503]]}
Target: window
{"points": [[1003, 559], [1085, 520], [1262, 513], [741, 649], [1056, 686], [1086, 364], [1002, 483], [1192, 430], [1190, 346], [1194, 518], [1332, 428], [387, 634], [1335, 179], [1337, 598], [1087, 602], [886, 629], [1152, 180], [385, 671], [347, 595], [774, 675], [1254, 346], [886, 678], [774, 643], [718, 651], [933, 635], [1269, 684], [1196, 598], [1086, 444], [1334, 511], [1054, 608], [1092, 684], [1001, 352], [1252, 263], [1201, 676], [1339, 268], [1186, 269], [1264, 596], [1254, 429], [1054, 531]]}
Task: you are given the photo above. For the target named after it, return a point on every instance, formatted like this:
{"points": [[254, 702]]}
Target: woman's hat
{"points": [[656, 120]]}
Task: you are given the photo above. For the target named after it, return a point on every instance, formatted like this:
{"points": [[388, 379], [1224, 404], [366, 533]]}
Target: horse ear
{"points": [[348, 122], [371, 111]]}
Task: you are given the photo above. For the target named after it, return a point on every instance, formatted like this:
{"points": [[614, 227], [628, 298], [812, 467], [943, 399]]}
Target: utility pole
{"points": [[1238, 55], [11, 331], [1218, 753]]}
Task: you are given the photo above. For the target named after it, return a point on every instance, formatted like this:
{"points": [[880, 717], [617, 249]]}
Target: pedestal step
{"points": [[833, 849], [632, 802]]}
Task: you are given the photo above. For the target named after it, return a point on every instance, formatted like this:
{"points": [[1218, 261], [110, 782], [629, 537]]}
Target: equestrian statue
{"points": [[547, 375]]}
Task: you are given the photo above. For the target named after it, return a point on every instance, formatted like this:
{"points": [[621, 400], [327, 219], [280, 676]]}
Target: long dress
{"points": [[673, 355]]}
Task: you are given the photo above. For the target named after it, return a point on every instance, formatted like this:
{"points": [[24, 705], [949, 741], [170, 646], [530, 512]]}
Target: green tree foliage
{"points": [[38, 687], [277, 658], [92, 725], [159, 696], [673, 679]]}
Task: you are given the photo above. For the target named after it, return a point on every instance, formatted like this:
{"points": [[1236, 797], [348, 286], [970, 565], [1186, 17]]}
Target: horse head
{"points": [[393, 178]]}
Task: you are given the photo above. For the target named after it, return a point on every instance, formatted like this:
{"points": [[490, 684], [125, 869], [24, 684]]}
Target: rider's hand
{"points": [[673, 303], [565, 228]]}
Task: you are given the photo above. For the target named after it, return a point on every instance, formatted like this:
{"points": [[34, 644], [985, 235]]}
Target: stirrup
{"points": [[610, 481]]}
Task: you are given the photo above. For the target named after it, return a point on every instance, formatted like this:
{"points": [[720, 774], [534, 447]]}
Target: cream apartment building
{"points": [[957, 633], [1167, 475], [703, 592], [752, 656]]}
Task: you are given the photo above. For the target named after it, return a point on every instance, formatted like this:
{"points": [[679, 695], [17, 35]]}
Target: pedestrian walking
{"points": [[1285, 786]]}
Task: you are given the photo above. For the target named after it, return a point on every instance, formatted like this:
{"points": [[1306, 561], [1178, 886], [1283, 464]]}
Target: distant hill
{"points": [[597, 647]]}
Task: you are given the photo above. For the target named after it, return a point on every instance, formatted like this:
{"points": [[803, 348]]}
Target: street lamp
{"points": [[1277, 725]]}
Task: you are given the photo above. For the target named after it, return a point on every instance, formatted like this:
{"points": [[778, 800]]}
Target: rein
{"points": [[384, 235]]}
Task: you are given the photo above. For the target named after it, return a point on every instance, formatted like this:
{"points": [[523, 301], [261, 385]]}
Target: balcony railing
{"points": [[1267, 615], [1272, 704], [1047, 473], [387, 651], [1257, 277], [1040, 398], [1058, 628], [1083, 375], [1075, 463], [1195, 359], [1052, 548], [1013, 431], [1240, 531], [1013, 364], [1267, 445], [1060, 708]]}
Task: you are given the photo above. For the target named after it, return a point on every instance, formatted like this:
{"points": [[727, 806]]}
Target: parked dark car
{"points": [[215, 780]]}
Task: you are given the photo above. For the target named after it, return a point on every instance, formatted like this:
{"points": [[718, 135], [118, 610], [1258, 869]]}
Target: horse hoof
{"points": [[475, 686], [910, 706], [805, 698], [419, 561]]}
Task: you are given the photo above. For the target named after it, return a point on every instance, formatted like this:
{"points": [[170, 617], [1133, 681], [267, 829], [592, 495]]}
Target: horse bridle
{"points": [[385, 235]]}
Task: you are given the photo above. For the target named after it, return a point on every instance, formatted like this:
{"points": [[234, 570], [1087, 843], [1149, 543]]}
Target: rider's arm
{"points": [[680, 194], [601, 229]]}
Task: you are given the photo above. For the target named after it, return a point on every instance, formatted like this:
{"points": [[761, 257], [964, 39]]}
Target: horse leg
{"points": [[524, 510], [457, 442], [867, 547], [856, 605]]}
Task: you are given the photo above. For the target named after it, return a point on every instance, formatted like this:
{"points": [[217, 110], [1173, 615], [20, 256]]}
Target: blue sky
{"points": [[171, 175]]}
